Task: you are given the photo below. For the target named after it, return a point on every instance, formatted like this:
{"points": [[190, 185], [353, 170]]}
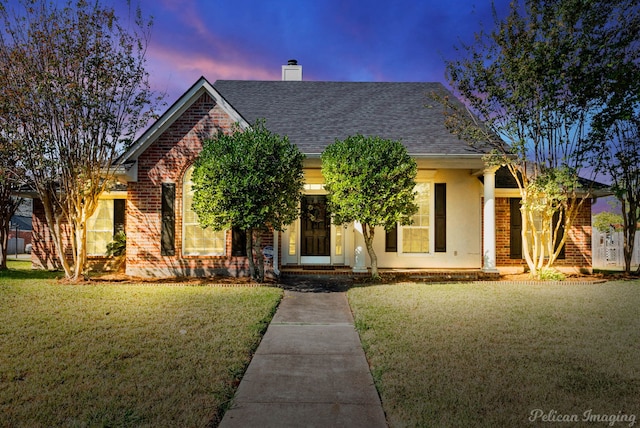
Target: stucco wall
{"points": [[464, 228]]}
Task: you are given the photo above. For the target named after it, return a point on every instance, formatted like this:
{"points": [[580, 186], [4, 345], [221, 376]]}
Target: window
{"points": [[515, 230], [168, 219], [416, 237], [293, 234], [440, 217], [106, 221], [195, 239], [391, 240], [238, 242], [339, 240]]}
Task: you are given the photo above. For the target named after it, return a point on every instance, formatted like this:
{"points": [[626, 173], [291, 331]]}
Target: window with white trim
{"points": [[416, 237], [293, 235], [196, 240], [106, 221]]}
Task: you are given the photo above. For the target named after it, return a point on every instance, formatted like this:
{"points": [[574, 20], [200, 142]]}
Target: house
{"points": [[19, 238], [465, 221]]}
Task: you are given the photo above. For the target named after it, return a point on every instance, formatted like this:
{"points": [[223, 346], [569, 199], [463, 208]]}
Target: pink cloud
{"points": [[190, 15], [195, 63], [173, 71], [189, 48]]}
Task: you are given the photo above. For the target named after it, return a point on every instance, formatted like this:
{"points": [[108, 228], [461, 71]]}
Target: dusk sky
{"points": [[337, 40], [333, 40]]}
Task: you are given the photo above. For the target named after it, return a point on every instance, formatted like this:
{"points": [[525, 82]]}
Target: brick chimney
{"points": [[292, 71]]}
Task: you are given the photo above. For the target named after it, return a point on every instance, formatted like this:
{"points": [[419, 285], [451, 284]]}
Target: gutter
{"points": [[276, 248]]}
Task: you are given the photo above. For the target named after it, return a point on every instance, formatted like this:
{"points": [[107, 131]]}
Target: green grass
{"points": [[489, 355], [21, 270], [121, 354]]}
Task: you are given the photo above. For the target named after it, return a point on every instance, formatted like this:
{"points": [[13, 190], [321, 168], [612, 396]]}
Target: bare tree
{"points": [[620, 160], [76, 90], [537, 81], [10, 179]]}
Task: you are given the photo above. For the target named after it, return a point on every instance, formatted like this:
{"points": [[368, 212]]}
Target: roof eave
{"points": [[426, 161]]}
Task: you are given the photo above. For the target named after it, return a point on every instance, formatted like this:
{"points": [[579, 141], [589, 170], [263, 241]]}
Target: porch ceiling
{"points": [[424, 162]]}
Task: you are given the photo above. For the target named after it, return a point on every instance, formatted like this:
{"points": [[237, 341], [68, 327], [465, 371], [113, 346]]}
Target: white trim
{"points": [[507, 193], [431, 226], [489, 234], [359, 251], [290, 232], [114, 194], [335, 228], [315, 260]]}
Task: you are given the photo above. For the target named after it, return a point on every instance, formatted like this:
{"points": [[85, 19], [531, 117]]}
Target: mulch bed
{"points": [[328, 283]]}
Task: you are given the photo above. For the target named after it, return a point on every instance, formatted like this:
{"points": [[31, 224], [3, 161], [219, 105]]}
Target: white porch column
{"points": [[359, 250], [489, 235]]}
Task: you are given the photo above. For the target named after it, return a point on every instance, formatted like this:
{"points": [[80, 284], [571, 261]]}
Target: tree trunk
{"points": [[8, 207], [541, 239], [629, 237], [4, 240], [369, 233], [81, 252], [530, 240], [630, 222], [249, 247], [259, 256], [54, 224]]}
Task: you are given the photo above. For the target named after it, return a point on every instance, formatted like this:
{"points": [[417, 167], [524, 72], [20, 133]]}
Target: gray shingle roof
{"points": [[315, 114]]}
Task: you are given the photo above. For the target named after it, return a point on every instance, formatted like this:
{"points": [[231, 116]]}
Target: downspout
{"points": [[276, 251]]}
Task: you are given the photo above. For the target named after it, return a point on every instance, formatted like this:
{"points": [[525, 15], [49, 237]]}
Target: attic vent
{"points": [[292, 71]]}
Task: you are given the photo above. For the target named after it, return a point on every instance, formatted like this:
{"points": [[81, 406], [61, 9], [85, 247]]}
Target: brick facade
{"points": [[43, 251], [166, 161], [577, 248]]}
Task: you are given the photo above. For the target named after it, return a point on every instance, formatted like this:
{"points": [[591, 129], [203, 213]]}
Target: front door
{"points": [[315, 229]]}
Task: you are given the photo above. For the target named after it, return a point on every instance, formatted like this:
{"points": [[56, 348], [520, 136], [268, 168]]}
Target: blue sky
{"points": [[340, 40]]}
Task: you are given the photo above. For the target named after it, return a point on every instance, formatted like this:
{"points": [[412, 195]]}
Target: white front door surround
{"points": [[359, 249]]}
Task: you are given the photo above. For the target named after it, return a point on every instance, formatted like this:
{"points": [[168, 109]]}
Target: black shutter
{"points": [[515, 229], [556, 218], [238, 242], [391, 240], [168, 233], [441, 217], [118, 215]]}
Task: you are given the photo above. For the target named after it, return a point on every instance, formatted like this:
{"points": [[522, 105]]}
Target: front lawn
{"points": [[503, 355], [121, 354]]}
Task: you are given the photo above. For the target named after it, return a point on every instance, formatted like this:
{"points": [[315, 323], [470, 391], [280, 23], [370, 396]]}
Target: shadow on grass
{"points": [[22, 270], [316, 283]]}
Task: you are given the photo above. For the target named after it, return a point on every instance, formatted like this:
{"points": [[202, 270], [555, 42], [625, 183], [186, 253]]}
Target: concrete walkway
{"points": [[309, 370]]}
